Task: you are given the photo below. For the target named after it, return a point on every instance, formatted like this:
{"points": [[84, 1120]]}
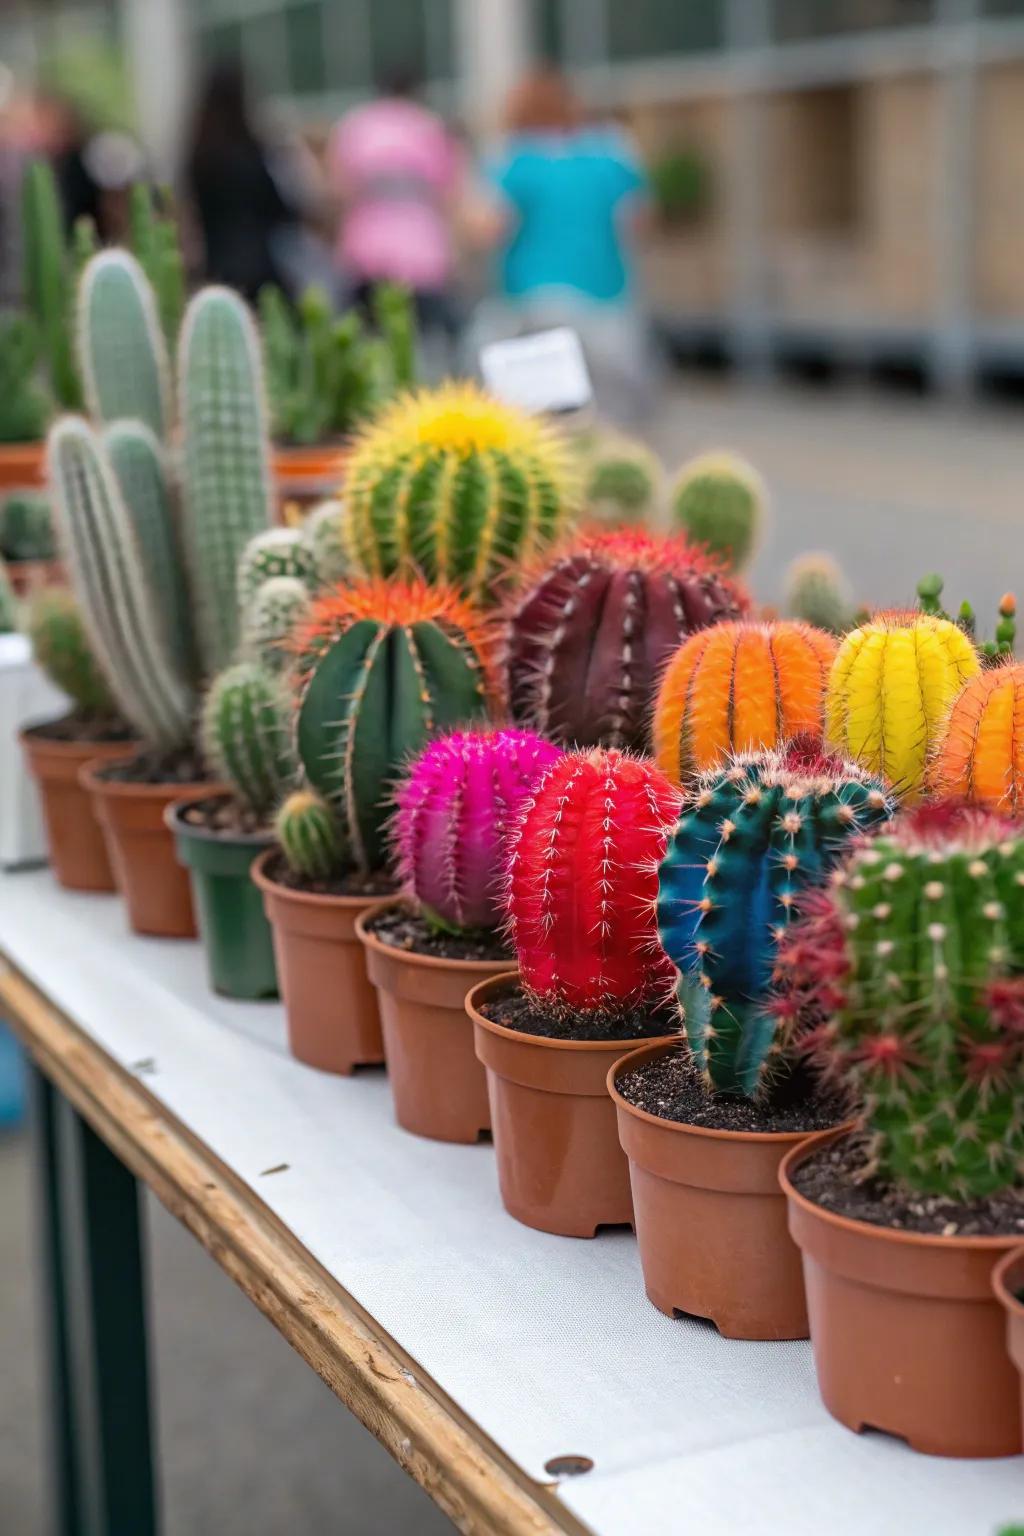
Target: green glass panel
{"points": [[797, 20], [307, 58], [549, 29], [648, 29]]}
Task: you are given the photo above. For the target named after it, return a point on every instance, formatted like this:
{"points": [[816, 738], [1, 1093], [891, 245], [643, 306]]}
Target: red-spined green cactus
{"points": [[911, 967], [582, 883]]}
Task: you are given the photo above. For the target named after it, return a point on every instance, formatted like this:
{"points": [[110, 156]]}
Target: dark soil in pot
{"points": [[87, 730], [352, 882], [516, 1010], [410, 932], [672, 1088], [182, 766]]}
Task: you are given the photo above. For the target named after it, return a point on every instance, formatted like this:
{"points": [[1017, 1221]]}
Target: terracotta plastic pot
{"points": [[154, 885], [908, 1335], [710, 1219], [27, 576], [560, 1166], [1008, 1282], [233, 926], [437, 1083], [330, 1004], [78, 852], [309, 475], [22, 465]]}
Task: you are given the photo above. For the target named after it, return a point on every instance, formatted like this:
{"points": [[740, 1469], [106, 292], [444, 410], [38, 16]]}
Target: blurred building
{"points": [[842, 180]]}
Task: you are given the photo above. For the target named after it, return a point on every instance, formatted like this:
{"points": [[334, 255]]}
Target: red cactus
{"points": [[583, 879]]}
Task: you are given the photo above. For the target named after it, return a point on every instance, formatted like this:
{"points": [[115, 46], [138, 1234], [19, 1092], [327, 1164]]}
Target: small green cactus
{"points": [[9, 609], [26, 527], [245, 737], [719, 501], [309, 836], [271, 617], [52, 621], [818, 593], [929, 600], [23, 408], [276, 552], [156, 243], [121, 344], [48, 278], [323, 534], [623, 481]]}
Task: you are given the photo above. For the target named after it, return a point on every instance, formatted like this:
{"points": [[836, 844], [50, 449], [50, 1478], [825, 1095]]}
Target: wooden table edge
{"points": [[481, 1490]]}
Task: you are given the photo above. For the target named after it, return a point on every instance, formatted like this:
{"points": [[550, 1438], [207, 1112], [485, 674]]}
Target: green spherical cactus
{"points": [[623, 481], [245, 735], [26, 527], [308, 833], [121, 343], [226, 479], [323, 534], [818, 593], [52, 621], [275, 552], [719, 501], [273, 614]]}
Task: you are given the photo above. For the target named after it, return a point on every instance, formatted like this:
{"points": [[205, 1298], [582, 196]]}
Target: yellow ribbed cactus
{"points": [[890, 690]]}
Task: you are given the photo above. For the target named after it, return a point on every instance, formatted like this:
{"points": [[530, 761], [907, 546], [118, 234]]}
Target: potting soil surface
{"points": [[410, 932], [673, 1089], [515, 1010]]}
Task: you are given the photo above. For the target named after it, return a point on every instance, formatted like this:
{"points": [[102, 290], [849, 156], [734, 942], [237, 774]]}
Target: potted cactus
{"points": [[910, 972], [159, 593], [24, 409], [739, 687], [706, 1128], [622, 480], [27, 542], [719, 500], [591, 985], [56, 751], [455, 807], [1008, 1281], [379, 668], [992, 652], [588, 632]]}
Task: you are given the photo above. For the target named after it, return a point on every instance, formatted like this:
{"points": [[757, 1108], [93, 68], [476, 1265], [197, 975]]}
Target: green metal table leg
{"points": [[102, 1416]]}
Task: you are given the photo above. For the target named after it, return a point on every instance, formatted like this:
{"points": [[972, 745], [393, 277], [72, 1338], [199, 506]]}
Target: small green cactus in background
{"points": [[271, 616], [26, 527], [48, 279], [719, 500], [121, 344], [323, 534], [395, 319], [9, 611], [52, 620], [929, 600], [309, 835], [818, 593], [23, 407], [622, 480], [245, 736], [156, 243], [275, 552]]}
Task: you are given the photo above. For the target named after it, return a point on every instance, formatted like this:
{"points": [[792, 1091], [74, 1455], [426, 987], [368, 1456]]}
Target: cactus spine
{"points": [[53, 623], [387, 666], [275, 611], [587, 637], [275, 552], [108, 580], [245, 735], [739, 687], [979, 756], [582, 883], [455, 485], [719, 501], [225, 460], [751, 837], [308, 833], [121, 345], [817, 592], [913, 966], [890, 689], [456, 806]]}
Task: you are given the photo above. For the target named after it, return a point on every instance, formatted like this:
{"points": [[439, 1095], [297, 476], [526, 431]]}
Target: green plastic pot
{"points": [[233, 926]]}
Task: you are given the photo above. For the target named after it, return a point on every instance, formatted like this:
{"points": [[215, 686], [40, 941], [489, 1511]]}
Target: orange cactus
{"points": [[740, 687], [980, 755]]}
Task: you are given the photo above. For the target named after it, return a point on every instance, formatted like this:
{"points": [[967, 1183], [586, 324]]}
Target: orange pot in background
{"points": [[22, 466], [78, 851], [308, 475]]}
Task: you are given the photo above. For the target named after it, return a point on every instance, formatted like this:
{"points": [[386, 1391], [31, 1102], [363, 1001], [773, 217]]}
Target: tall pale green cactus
{"points": [[227, 485], [108, 576], [121, 344]]}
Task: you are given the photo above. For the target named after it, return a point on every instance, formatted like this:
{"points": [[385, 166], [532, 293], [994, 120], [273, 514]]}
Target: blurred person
{"points": [[568, 200], [396, 170]]}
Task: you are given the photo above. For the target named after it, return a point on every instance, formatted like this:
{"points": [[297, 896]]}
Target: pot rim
{"points": [[127, 789], [176, 823], [481, 968], [848, 1224], [1009, 1299], [308, 457], [710, 1132], [312, 899], [521, 1037], [101, 751]]}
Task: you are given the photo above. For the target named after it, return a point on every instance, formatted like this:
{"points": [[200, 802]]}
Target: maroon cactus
{"points": [[585, 643], [455, 806]]}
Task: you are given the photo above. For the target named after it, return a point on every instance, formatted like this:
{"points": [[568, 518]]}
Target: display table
{"points": [[486, 1357]]}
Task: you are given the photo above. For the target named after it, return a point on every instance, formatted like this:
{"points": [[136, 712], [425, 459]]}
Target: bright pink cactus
{"points": [[583, 878], [456, 805]]}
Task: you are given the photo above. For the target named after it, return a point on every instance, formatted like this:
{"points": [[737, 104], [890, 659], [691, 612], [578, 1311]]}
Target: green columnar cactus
{"points": [[22, 406], [395, 319], [48, 279], [26, 527], [308, 833], [271, 617], [227, 484], [275, 552], [913, 967], [137, 459], [109, 582], [245, 736], [817, 592], [156, 244], [719, 501], [323, 534], [53, 623], [749, 841], [8, 602], [120, 343]]}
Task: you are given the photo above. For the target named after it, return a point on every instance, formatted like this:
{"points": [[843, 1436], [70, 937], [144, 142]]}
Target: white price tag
{"points": [[543, 372]]}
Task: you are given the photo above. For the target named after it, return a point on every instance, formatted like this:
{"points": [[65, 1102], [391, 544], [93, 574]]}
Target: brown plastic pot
{"points": [[1008, 1283], [560, 1166], [22, 465], [710, 1218], [908, 1335], [28, 576], [437, 1084], [78, 852], [156, 888], [309, 474], [330, 1004]]}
